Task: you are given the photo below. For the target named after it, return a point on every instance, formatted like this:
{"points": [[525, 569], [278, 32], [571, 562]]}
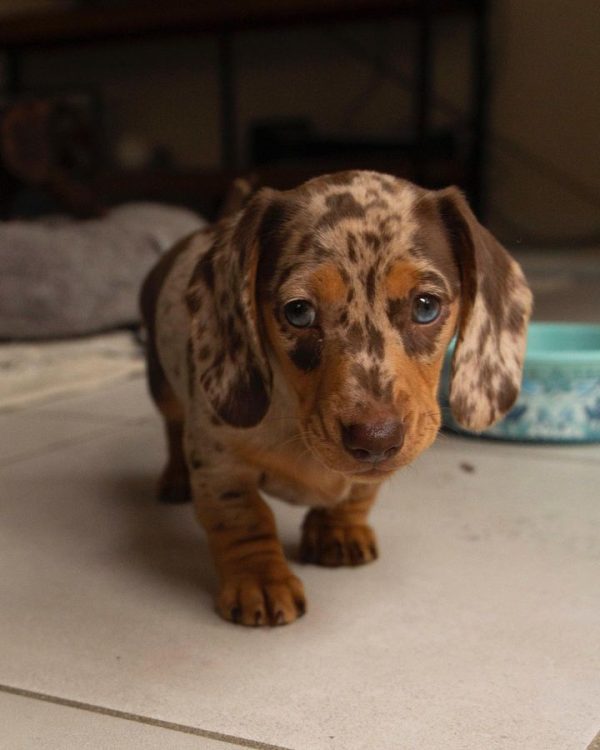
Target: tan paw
{"points": [[337, 545], [263, 598]]}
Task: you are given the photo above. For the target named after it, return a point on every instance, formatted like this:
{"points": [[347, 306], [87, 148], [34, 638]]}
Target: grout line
{"points": [[115, 713]]}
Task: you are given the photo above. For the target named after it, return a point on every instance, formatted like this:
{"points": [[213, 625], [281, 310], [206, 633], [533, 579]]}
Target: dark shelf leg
{"points": [[229, 158], [479, 108], [423, 91]]}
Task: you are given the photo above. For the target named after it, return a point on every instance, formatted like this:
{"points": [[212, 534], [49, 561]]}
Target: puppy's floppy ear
{"points": [[495, 308], [226, 353]]}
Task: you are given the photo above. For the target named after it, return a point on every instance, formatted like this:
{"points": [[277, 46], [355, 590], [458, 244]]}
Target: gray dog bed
{"points": [[60, 277]]}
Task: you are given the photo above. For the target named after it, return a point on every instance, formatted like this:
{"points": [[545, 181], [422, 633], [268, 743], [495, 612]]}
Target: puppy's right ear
{"points": [[495, 309], [227, 357]]}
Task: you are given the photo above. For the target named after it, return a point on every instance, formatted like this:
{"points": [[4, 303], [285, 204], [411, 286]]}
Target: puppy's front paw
{"points": [[267, 597], [336, 545]]}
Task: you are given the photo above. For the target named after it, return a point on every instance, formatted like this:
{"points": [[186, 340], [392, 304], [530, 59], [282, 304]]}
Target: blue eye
{"points": [[426, 308], [300, 313]]}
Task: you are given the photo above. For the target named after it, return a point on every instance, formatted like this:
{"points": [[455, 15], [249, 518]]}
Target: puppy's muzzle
{"points": [[373, 442]]}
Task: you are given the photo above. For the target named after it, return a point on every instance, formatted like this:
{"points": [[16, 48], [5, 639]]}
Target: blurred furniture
{"points": [[98, 22], [48, 155]]}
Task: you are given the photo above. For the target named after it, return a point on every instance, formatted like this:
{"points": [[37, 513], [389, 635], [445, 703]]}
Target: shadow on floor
{"points": [[163, 541]]}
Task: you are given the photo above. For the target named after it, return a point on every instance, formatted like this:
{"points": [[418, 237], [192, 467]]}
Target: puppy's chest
{"points": [[290, 473]]}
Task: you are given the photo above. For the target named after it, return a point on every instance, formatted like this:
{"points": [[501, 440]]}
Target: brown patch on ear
{"points": [[401, 279], [328, 284]]}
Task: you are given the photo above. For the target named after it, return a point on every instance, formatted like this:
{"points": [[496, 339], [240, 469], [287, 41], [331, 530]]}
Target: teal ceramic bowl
{"points": [[560, 394]]}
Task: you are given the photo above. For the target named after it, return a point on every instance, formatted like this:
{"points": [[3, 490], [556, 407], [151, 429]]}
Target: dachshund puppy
{"points": [[296, 348]]}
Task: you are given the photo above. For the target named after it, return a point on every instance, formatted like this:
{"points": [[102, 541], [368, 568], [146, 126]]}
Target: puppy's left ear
{"points": [[495, 309]]}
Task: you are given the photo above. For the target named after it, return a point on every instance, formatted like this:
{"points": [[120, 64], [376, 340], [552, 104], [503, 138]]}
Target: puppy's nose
{"points": [[373, 441]]}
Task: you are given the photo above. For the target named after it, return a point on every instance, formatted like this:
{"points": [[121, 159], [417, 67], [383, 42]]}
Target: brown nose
{"points": [[373, 441]]}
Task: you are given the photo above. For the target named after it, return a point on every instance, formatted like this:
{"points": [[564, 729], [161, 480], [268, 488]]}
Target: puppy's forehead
{"points": [[365, 213], [362, 222], [370, 224]]}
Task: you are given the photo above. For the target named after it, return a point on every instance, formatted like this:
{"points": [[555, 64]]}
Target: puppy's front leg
{"points": [[256, 584], [340, 535]]}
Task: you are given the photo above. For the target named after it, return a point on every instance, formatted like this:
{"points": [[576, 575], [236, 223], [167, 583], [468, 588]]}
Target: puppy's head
{"points": [[352, 286]]}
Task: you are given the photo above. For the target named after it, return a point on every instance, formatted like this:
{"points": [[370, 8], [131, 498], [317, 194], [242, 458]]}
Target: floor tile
{"points": [[32, 724], [124, 401], [29, 432], [478, 627]]}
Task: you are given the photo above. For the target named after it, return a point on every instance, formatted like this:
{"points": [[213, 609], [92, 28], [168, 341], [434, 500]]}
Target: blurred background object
{"points": [[497, 96], [49, 155]]}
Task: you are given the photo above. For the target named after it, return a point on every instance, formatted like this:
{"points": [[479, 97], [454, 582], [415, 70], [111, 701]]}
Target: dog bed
{"points": [[62, 277]]}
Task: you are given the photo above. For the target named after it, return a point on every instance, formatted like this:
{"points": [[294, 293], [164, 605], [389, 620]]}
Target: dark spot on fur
{"points": [[272, 238], [352, 256], [340, 206], [397, 311], [462, 408], [247, 399], [375, 340], [343, 319], [306, 354], [515, 318], [356, 337], [196, 462], [422, 340], [305, 244], [370, 379], [459, 238], [370, 285], [387, 185], [204, 270], [285, 274], [204, 352], [230, 495], [507, 395], [193, 300], [372, 241], [484, 334], [350, 296], [191, 367]]}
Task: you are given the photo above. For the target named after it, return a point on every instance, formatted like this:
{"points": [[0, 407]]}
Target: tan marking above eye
{"points": [[401, 279], [328, 284], [404, 278]]}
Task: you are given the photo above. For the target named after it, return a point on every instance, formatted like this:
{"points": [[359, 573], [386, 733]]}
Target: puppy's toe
{"points": [[333, 546], [260, 600]]}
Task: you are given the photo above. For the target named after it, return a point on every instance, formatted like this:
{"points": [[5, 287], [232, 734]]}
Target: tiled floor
{"points": [[479, 627]]}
